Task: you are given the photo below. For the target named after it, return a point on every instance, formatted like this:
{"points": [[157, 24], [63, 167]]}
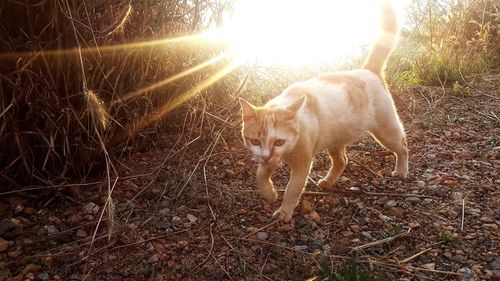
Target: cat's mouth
{"points": [[271, 161]]}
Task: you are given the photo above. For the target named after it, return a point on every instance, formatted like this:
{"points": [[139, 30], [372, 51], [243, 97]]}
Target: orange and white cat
{"points": [[326, 112]]}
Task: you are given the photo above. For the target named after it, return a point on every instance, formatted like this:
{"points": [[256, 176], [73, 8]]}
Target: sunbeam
{"points": [[172, 78], [106, 48], [177, 101]]}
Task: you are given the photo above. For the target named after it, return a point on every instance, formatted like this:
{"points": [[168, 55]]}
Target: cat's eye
{"points": [[255, 141], [279, 142]]}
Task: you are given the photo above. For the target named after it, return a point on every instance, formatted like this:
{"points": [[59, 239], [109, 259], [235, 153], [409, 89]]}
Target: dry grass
{"points": [[81, 78]]}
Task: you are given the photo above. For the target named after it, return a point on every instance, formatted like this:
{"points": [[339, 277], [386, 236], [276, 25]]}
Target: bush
{"points": [[62, 109]]}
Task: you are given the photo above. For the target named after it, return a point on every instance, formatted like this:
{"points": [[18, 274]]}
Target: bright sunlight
{"points": [[301, 32]]}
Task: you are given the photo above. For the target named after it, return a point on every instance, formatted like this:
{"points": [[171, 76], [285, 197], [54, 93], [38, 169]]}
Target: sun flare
{"points": [[300, 32]]}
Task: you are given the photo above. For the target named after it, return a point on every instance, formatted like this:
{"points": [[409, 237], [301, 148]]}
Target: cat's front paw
{"points": [[283, 215], [269, 195], [400, 174], [323, 183]]}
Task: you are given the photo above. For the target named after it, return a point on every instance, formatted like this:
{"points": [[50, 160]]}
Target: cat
{"points": [[326, 112]]}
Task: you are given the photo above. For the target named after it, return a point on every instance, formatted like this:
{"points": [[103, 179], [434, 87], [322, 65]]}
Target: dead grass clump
{"points": [[446, 41], [79, 78]]}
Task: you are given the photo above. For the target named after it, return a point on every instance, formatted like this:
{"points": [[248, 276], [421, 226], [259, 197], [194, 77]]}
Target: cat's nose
{"points": [[266, 158]]}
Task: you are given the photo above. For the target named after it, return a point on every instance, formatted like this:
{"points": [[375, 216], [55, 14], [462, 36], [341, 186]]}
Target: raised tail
{"points": [[382, 48]]}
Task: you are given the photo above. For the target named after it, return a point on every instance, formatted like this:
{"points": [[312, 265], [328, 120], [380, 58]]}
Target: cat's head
{"points": [[270, 132]]}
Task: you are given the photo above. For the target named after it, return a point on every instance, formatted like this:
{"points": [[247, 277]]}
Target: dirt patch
{"points": [[186, 208]]}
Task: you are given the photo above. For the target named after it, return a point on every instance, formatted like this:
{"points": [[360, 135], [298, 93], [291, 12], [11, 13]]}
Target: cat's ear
{"points": [[247, 111], [295, 107]]}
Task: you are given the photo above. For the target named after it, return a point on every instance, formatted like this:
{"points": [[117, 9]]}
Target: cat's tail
{"points": [[382, 48]]}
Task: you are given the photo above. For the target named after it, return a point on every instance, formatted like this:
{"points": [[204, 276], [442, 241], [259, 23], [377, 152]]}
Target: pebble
{"points": [[487, 219], [91, 208], [391, 203], [226, 162], [153, 259], [382, 200], [396, 212], [306, 207], [14, 254], [43, 276], [163, 212], [176, 219], [80, 233], [468, 274], [355, 228], [229, 173], [495, 265], [420, 184], [261, 235], [347, 233], [302, 248], [192, 218], [4, 244], [5, 226], [367, 235], [429, 266], [74, 219], [314, 216], [413, 199], [51, 230]]}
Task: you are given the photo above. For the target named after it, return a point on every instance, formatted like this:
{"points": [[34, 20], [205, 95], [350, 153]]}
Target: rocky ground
{"points": [[186, 207]]}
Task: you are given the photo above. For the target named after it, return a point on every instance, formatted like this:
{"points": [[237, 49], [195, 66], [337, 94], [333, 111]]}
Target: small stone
{"points": [[261, 235], [153, 259], [176, 219], [51, 230], [355, 228], [429, 266], [80, 233], [229, 173], [14, 254], [367, 235], [467, 274], [413, 199], [29, 211], [48, 261], [91, 208], [6, 226], [314, 216], [164, 212], [43, 276], [191, 218], [487, 219], [306, 207], [132, 226], [4, 244], [420, 184], [414, 224], [346, 233], [391, 203], [382, 200], [396, 212], [226, 162], [302, 248], [495, 265], [354, 188], [74, 219], [344, 179], [459, 258]]}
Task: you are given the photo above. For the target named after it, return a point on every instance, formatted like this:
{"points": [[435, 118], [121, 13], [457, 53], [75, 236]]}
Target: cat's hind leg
{"points": [[392, 137], [264, 182], [339, 161]]}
